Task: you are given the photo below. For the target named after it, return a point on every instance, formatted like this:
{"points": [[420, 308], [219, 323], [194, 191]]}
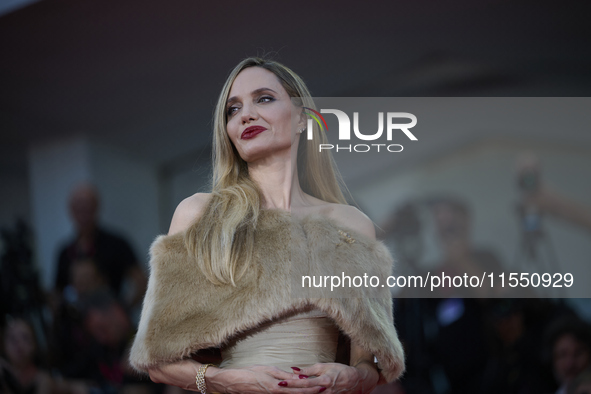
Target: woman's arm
{"points": [[364, 361], [252, 380], [181, 374]]}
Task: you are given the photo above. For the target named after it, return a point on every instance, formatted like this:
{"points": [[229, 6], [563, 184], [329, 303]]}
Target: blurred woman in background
{"points": [[20, 371]]}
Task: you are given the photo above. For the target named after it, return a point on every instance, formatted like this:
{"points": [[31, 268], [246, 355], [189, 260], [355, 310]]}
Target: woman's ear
{"points": [[303, 119]]}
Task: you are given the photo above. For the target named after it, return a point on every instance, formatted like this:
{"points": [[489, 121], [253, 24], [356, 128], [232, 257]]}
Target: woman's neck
{"points": [[279, 184]]}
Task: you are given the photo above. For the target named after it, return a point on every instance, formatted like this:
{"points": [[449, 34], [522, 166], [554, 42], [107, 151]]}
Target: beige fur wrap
{"points": [[183, 312]]}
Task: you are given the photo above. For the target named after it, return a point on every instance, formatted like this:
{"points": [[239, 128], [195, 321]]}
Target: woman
{"points": [[224, 275], [20, 372]]}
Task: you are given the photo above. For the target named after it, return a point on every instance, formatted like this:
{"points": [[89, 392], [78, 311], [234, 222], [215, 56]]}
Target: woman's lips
{"points": [[251, 132]]}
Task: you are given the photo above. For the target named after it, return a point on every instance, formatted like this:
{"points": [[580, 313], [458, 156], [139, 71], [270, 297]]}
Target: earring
{"points": [[301, 131]]}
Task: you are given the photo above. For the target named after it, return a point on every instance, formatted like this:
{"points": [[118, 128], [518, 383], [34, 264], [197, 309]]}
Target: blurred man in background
{"points": [[111, 253]]}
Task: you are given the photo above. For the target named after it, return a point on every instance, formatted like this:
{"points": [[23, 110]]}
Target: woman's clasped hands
{"points": [[325, 378], [259, 379], [341, 378]]}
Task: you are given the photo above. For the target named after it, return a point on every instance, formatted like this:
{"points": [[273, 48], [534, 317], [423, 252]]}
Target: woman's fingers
{"points": [[274, 372], [302, 390], [291, 380], [309, 385], [320, 381], [313, 370], [257, 379]]}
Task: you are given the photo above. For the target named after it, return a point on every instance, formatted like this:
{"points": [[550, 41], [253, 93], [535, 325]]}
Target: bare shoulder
{"points": [[188, 210], [351, 217]]}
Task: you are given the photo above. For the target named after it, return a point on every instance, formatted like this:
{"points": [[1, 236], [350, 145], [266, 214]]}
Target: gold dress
{"points": [[298, 340]]}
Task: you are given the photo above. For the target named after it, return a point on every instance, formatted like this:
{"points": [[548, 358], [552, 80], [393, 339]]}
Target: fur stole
{"points": [[183, 312]]}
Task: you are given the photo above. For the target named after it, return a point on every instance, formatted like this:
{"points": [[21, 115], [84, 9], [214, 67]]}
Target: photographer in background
{"points": [[539, 198]]}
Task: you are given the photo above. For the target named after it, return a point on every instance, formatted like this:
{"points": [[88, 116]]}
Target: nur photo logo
{"points": [[392, 121]]}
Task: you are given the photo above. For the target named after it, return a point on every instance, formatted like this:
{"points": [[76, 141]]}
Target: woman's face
{"points": [[19, 343], [571, 357], [262, 121]]}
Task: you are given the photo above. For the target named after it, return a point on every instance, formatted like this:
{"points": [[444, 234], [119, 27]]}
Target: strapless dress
{"points": [[298, 340]]}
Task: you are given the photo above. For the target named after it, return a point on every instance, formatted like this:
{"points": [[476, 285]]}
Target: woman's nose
{"points": [[249, 113]]}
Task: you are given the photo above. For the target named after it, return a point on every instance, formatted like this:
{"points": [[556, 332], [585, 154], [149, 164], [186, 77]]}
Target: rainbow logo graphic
{"points": [[315, 115]]}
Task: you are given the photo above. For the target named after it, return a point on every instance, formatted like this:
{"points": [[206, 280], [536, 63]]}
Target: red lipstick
{"points": [[251, 132]]}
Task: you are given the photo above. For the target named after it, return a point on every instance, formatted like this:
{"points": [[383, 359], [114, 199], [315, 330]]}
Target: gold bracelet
{"points": [[200, 378]]}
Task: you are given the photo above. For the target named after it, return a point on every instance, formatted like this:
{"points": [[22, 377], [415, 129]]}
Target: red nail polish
{"points": [[303, 376], [283, 383], [322, 389], [295, 368]]}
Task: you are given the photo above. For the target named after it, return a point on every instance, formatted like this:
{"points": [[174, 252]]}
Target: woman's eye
{"points": [[231, 111], [266, 99]]}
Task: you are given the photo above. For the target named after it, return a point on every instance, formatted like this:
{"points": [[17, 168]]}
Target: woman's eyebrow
{"points": [[253, 93]]}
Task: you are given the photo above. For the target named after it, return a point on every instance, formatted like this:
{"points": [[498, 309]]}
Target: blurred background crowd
{"points": [[76, 337], [105, 126]]}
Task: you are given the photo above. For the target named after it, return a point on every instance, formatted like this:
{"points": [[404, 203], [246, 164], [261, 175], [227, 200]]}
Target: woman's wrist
{"points": [[368, 369], [211, 380]]}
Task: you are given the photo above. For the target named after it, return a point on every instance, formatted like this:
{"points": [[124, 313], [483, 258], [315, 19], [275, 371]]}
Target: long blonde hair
{"points": [[223, 244]]}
